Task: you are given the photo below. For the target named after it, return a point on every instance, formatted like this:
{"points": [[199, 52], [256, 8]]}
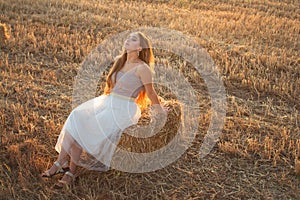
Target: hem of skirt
{"points": [[90, 164]]}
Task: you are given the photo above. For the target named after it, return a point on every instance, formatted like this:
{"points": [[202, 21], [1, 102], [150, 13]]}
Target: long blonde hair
{"points": [[146, 55]]}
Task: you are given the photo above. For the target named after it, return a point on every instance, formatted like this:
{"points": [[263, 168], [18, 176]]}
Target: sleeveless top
{"points": [[127, 84]]}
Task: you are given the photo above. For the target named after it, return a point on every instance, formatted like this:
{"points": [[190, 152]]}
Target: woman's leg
{"points": [[62, 156], [75, 155], [60, 163], [75, 152]]}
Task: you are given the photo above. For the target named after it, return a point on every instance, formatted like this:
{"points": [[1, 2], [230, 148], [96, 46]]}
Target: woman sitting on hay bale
{"points": [[91, 129]]}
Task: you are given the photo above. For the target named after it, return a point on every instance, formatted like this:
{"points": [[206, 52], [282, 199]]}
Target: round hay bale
{"points": [[158, 140]]}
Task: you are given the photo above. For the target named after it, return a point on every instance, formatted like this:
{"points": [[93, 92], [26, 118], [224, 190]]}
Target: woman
{"points": [[93, 129]]}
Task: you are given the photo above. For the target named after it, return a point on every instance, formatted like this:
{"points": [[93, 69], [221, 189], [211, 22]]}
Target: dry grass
{"points": [[256, 47], [3, 34]]}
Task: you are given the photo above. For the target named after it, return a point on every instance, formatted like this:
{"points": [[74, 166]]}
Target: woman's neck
{"points": [[132, 57]]}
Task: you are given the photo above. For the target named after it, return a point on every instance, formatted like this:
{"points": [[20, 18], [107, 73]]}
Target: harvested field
{"points": [[255, 46]]}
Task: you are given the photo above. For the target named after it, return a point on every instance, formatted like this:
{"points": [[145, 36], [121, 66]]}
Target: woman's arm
{"points": [[146, 77], [158, 112], [151, 93], [147, 80]]}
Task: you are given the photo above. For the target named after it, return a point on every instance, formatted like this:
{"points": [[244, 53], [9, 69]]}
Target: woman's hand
{"points": [[160, 109], [158, 117]]}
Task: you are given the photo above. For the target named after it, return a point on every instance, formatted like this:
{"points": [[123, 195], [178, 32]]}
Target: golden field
{"points": [[255, 45]]}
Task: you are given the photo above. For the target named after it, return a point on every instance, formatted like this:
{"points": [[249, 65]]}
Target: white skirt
{"points": [[96, 126]]}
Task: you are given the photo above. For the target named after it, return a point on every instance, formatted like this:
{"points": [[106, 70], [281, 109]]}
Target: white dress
{"points": [[96, 125]]}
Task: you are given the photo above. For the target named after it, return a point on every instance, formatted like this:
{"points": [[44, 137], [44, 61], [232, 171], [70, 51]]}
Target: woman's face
{"points": [[132, 43]]}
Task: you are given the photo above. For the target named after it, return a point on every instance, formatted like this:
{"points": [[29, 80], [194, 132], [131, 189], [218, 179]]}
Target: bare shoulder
{"points": [[145, 74], [144, 69]]}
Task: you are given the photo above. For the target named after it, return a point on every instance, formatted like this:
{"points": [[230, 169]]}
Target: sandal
{"points": [[61, 183], [60, 169]]}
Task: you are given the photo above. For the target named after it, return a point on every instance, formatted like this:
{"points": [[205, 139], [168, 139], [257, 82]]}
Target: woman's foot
{"points": [[56, 169], [66, 180]]}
